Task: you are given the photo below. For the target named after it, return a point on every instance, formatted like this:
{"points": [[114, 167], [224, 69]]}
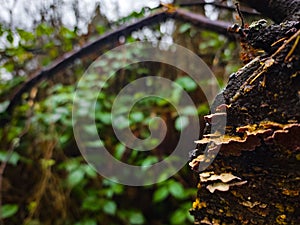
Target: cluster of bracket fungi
{"points": [[251, 106]]}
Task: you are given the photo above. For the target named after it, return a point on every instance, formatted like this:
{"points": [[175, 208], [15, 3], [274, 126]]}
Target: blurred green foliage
{"points": [[46, 180]]}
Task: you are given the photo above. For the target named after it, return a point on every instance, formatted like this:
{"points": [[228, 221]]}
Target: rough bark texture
{"points": [[277, 10], [255, 177]]}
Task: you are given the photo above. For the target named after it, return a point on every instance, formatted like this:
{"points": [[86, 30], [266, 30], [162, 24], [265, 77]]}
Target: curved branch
{"points": [[106, 42], [218, 26]]}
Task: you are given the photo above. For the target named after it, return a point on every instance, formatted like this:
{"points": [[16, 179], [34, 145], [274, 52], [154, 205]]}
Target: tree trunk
{"points": [[277, 10], [255, 177]]}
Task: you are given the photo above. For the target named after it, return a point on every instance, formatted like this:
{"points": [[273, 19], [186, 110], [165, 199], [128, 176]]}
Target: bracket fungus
{"points": [[261, 142]]}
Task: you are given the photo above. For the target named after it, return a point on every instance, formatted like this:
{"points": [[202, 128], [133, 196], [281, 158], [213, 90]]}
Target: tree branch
{"points": [[199, 20], [106, 42], [244, 10]]}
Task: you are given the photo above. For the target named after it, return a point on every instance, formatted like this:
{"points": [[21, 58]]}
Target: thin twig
{"points": [[278, 41], [286, 43], [292, 49], [237, 5]]}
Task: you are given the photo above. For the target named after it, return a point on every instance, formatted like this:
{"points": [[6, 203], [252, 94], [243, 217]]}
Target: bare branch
{"points": [[199, 20], [108, 41]]}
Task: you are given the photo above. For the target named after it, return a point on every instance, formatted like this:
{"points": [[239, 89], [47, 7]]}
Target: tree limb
{"points": [[244, 10], [105, 42], [220, 27]]}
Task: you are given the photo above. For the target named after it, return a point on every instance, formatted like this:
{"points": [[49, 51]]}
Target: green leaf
{"points": [[203, 109], [118, 189], [75, 177], [70, 165], [25, 35], [95, 144], [92, 203], [137, 117], [100, 29], [178, 217], [110, 208], [136, 218], [160, 194], [53, 118], [44, 29], [90, 171], [121, 122], [9, 66], [8, 210], [150, 160], [13, 159], [68, 34], [176, 189], [163, 102], [120, 149], [32, 206], [1, 30], [64, 138], [189, 111], [186, 207], [142, 70], [187, 83], [105, 118], [176, 95], [10, 37], [181, 122], [46, 163], [3, 106], [184, 28]]}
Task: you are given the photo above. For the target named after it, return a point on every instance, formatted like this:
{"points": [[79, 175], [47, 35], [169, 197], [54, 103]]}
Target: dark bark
{"points": [[260, 151], [277, 10]]}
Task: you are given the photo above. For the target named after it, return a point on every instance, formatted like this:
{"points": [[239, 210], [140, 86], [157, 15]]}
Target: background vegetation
{"points": [[43, 177]]}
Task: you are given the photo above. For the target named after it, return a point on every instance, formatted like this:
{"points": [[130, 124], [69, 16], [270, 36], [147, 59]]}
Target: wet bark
{"points": [[277, 10], [254, 178]]}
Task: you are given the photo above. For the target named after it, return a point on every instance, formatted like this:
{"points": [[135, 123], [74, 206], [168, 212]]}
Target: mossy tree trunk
{"points": [[255, 177]]}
